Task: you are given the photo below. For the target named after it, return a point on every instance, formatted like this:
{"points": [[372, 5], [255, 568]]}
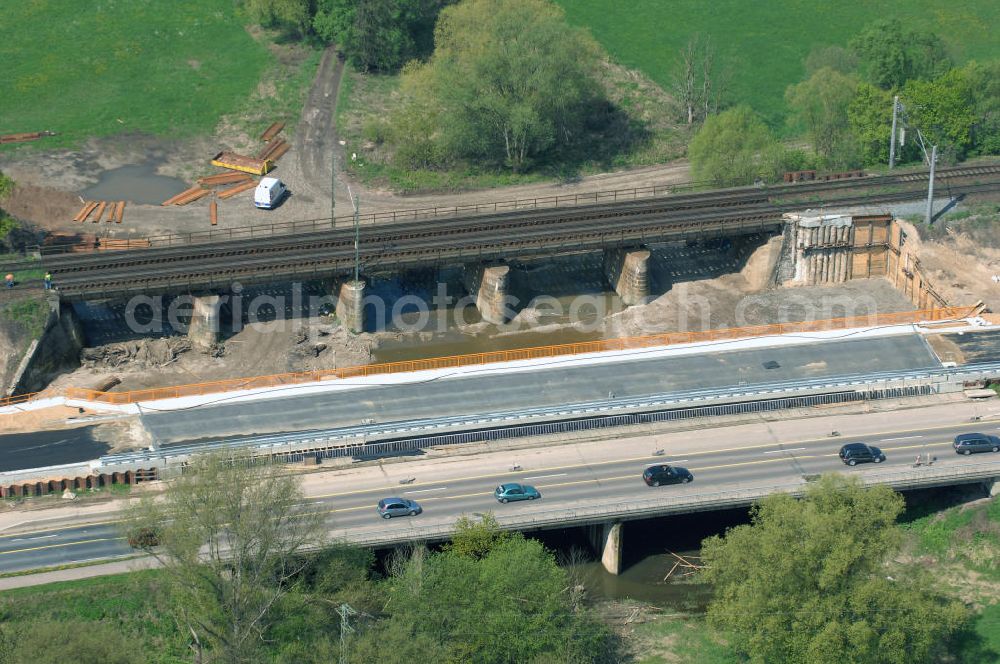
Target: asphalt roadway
{"points": [[556, 384], [447, 490], [49, 448]]}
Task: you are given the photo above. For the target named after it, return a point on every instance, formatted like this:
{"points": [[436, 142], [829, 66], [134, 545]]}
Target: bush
{"points": [[735, 147], [510, 84]]}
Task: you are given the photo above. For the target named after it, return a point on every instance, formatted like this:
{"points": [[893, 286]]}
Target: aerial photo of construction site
{"points": [[432, 259]]}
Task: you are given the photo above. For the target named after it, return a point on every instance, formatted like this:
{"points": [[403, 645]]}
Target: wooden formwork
{"points": [[213, 212]]}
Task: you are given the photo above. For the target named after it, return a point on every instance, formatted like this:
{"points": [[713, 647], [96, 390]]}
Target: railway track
{"points": [[678, 202], [458, 227], [493, 236]]}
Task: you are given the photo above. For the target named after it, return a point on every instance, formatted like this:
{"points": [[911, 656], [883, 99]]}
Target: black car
{"points": [[855, 453], [967, 443], [664, 474]]}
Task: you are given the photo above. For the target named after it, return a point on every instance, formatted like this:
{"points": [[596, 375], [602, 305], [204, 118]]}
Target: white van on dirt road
{"points": [[268, 193]]}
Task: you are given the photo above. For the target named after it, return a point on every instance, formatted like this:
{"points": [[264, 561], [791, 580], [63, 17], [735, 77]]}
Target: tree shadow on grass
{"points": [[609, 134], [968, 645]]}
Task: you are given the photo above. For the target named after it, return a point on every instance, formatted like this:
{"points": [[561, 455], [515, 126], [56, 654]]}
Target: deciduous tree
{"points": [[806, 582], [231, 533], [891, 55], [511, 80], [942, 110], [984, 81], [296, 13], [735, 147], [696, 83], [490, 598], [820, 106], [378, 35], [870, 117]]}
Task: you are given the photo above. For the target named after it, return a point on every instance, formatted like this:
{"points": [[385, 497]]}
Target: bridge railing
{"points": [[501, 356], [673, 503]]}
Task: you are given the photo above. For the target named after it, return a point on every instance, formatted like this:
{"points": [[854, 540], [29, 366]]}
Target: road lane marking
{"points": [[794, 449], [32, 539], [825, 439], [62, 545], [440, 488], [956, 425], [545, 477], [886, 440]]}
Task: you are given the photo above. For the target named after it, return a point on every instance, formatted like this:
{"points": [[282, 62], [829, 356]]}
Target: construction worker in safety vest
{"points": [[10, 280], [48, 281]]}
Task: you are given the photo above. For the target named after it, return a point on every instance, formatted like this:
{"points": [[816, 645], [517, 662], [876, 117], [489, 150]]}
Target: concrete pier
{"points": [[628, 274], [351, 305], [490, 285], [607, 540], [611, 557], [205, 325]]}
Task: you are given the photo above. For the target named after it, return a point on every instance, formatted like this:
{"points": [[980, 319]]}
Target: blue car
{"points": [[390, 507], [506, 493]]}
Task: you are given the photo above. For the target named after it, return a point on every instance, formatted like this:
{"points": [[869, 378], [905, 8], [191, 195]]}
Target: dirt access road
{"points": [[50, 182]]}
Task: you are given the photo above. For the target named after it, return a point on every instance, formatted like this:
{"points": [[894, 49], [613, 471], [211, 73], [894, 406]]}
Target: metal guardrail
{"points": [[672, 504]]}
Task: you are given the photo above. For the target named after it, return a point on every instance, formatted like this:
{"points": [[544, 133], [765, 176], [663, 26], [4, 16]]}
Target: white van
{"points": [[268, 193]]}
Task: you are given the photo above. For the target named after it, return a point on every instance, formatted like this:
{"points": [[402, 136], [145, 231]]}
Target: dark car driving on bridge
{"points": [[664, 474], [968, 443], [855, 453], [390, 507], [511, 492]]}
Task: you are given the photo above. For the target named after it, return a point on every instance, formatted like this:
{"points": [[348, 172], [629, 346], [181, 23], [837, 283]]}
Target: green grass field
{"points": [[764, 43], [92, 69]]}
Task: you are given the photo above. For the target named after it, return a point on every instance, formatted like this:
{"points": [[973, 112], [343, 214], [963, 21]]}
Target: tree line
{"points": [[844, 109], [375, 35]]}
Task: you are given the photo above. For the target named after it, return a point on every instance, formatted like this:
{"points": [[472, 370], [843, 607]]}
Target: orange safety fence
{"points": [[619, 344], [16, 399]]}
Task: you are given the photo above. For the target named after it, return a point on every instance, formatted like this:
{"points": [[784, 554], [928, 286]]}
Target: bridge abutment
{"points": [[992, 487], [628, 274], [351, 305], [203, 330], [490, 285]]}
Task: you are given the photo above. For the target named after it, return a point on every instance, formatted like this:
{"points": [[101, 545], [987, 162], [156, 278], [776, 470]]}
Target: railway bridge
{"points": [[481, 243]]}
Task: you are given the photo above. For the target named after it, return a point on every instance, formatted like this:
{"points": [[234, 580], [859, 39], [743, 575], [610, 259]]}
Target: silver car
{"points": [[390, 507]]}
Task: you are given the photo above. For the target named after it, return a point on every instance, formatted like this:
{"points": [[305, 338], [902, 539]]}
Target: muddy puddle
{"points": [[135, 183]]}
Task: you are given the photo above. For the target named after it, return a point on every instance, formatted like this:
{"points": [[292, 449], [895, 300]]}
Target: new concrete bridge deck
{"points": [[556, 381]]}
